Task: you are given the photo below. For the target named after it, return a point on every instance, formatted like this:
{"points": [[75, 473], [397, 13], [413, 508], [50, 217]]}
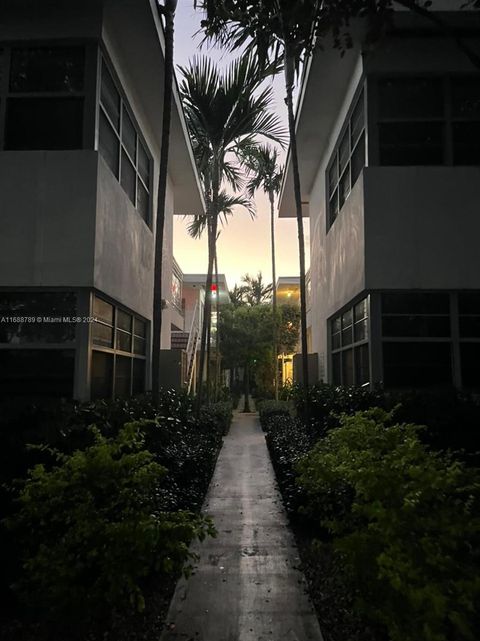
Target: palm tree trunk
{"points": [[217, 334], [274, 294], [289, 82], [212, 235], [169, 13]]}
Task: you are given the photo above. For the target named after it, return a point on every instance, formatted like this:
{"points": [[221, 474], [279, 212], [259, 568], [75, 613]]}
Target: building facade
{"points": [[80, 137], [389, 144]]}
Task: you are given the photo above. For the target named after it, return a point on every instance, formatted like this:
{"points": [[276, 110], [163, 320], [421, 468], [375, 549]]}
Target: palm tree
{"points": [[276, 30], [237, 296], [196, 227], [225, 112], [168, 12], [256, 291], [262, 164]]}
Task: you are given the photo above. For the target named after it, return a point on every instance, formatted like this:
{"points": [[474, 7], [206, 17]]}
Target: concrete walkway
{"points": [[246, 586]]}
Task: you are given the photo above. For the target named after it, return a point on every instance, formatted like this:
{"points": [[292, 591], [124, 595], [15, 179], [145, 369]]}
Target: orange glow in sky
{"points": [[244, 244]]}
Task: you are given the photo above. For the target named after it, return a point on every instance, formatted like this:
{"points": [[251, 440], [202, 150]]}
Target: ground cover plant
{"points": [[385, 511], [114, 508]]}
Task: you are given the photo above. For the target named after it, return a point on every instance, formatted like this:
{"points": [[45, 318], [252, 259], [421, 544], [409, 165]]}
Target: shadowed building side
{"points": [[80, 137]]}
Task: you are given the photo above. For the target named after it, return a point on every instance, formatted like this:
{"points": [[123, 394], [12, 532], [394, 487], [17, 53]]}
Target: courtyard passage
{"points": [[246, 586]]}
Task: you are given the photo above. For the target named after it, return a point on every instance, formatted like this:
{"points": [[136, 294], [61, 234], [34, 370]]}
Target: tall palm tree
{"points": [[276, 30], [265, 173], [225, 112], [168, 12], [226, 204]]}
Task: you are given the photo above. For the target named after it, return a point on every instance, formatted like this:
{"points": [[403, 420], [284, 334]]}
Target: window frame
{"points": [[114, 351], [360, 96], [90, 47], [354, 344], [124, 108], [448, 120]]}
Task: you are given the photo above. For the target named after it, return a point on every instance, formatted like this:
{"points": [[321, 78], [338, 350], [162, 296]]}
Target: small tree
{"points": [[245, 334]]}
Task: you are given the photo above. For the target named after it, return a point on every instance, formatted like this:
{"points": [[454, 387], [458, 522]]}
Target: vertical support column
{"points": [[455, 333], [375, 339], [81, 387]]}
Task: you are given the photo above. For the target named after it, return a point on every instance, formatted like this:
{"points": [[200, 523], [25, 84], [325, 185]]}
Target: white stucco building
{"points": [[389, 146], [81, 97]]}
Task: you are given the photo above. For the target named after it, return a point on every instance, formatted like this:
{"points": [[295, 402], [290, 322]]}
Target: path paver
{"points": [[246, 586]]}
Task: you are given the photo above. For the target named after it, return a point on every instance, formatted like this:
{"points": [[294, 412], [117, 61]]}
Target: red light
{"points": [[213, 288]]}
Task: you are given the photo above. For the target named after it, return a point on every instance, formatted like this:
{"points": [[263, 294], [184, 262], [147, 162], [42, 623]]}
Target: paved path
{"points": [[247, 586]]}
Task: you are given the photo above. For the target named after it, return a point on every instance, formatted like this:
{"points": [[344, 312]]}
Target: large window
{"points": [[349, 345], [429, 121], [417, 347], [121, 146], [43, 94], [36, 372], [348, 159], [37, 317], [119, 351]]}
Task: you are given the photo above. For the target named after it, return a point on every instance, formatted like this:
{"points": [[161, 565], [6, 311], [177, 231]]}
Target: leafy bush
{"points": [[98, 528], [288, 440], [268, 409], [219, 415], [405, 522], [452, 419], [322, 403]]}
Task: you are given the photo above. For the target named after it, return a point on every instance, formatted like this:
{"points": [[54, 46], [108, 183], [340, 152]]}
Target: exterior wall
{"points": [[65, 220], [27, 20], [124, 247], [422, 227], [401, 227], [336, 258], [47, 218]]}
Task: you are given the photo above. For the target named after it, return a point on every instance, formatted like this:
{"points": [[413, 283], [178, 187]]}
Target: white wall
{"points": [[47, 218], [422, 227], [336, 258]]}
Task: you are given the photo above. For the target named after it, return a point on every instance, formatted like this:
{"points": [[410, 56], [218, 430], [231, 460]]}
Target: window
{"points": [[417, 364], [417, 341], [45, 98], [469, 328], [469, 314], [119, 353], [347, 161], [47, 311], [429, 121], [121, 146], [23, 372], [349, 344], [416, 315]]}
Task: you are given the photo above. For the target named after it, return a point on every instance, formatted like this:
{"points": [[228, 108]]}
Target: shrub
{"points": [[288, 440], [217, 415], [405, 522], [98, 529], [268, 409]]}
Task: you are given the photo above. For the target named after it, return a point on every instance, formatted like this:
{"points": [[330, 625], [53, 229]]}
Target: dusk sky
{"points": [[244, 244]]}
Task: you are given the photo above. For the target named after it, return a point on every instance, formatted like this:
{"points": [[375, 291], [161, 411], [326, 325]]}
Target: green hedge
{"points": [[181, 449], [270, 408], [91, 529], [404, 521]]}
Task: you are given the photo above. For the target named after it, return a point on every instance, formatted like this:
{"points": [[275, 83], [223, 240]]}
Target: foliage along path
{"points": [[246, 586]]}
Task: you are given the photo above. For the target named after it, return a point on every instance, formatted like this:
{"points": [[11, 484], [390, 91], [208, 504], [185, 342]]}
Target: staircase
{"points": [[192, 345]]}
